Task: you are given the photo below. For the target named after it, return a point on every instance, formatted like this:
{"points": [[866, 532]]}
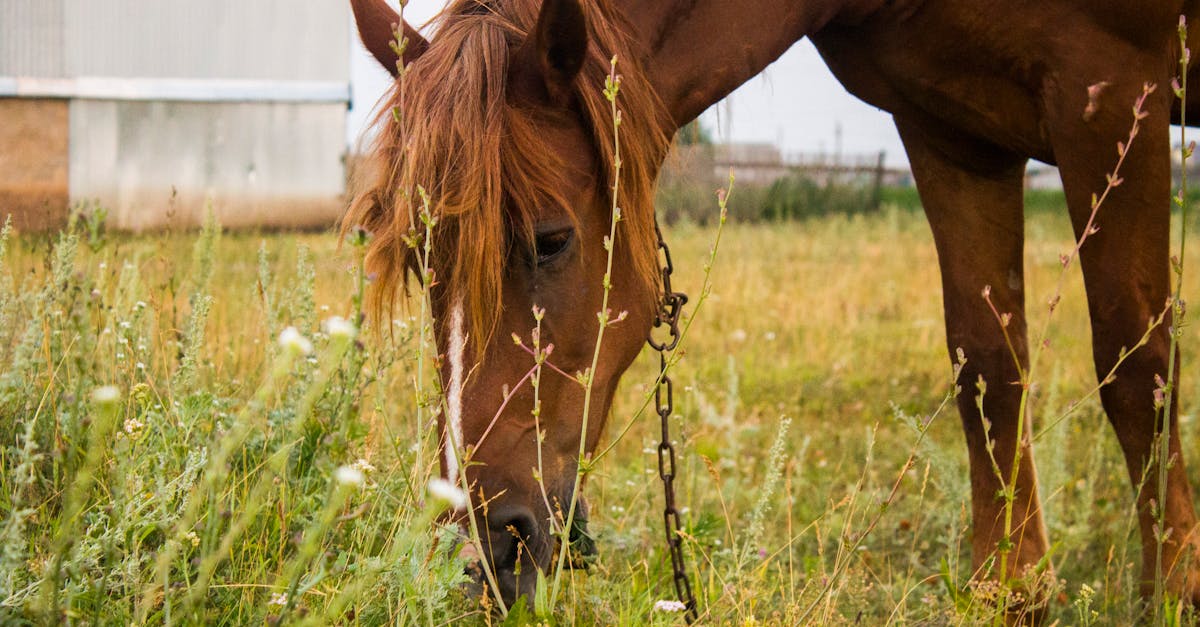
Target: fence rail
{"points": [[869, 170]]}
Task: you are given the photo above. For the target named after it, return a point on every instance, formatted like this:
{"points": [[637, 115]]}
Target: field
{"points": [[225, 478]]}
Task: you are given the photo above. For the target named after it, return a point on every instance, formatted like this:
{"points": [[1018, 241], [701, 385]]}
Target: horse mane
{"points": [[450, 140]]}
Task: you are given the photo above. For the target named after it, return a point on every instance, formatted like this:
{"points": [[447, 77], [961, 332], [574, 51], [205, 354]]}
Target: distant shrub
{"points": [[1045, 200], [905, 198], [797, 197], [691, 176], [678, 198]]}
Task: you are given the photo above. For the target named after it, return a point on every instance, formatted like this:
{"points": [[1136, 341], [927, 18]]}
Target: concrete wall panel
{"points": [[155, 163]]}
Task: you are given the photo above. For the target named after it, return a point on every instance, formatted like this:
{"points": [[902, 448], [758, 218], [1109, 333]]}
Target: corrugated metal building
{"points": [[155, 109]]}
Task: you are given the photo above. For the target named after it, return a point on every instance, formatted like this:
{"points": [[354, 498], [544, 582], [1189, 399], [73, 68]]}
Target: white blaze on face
{"points": [[456, 350]]}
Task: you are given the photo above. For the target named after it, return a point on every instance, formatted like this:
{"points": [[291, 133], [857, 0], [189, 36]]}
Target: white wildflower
{"points": [[664, 605], [447, 493], [106, 395], [364, 465], [340, 328], [291, 340], [348, 476], [278, 598]]}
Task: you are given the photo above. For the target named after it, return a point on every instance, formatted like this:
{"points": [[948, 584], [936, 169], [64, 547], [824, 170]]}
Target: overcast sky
{"points": [[796, 103]]}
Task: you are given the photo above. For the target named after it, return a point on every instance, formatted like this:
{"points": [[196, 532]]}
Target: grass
{"points": [[833, 324]]}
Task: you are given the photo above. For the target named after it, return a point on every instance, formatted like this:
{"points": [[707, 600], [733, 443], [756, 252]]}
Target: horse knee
{"points": [[988, 356], [989, 380], [1130, 375], [1116, 350], [994, 363]]}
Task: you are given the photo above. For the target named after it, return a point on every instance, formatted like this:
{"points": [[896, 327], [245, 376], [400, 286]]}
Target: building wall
{"points": [[33, 162], [32, 38], [256, 164], [175, 105], [227, 39]]}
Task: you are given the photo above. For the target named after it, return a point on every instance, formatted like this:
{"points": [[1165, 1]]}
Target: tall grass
{"points": [[210, 453], [838, 360]]}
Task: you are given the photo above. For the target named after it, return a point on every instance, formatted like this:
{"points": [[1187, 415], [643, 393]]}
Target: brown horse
{"points": [[500, 122]]}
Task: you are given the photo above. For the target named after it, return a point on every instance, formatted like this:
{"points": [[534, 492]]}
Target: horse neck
{"points": [[698, 51]]}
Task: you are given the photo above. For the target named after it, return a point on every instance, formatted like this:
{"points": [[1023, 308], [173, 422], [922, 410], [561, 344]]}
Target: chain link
{"points": [[669, 308]]}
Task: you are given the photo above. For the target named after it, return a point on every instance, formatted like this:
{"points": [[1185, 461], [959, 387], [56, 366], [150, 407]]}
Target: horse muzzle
{"points": [[516, 546]]}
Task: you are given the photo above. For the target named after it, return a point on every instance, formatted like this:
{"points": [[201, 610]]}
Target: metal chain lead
{"points": [[669, 308]]}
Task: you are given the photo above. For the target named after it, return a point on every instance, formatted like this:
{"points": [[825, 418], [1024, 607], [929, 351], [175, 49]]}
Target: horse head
{"points": [[499, 133]]}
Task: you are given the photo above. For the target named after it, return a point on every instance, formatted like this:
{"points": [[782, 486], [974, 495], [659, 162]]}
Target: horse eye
{"points": [[549, 246]]}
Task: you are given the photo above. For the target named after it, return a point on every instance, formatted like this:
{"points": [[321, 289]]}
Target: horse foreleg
{"points": [[1128, 281], [976, 214]]}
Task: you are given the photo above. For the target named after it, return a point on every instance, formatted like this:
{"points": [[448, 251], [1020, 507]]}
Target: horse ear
{"points": [[377, 24], [556, 49]]}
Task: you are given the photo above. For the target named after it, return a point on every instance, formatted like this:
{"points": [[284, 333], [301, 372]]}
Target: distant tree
{"points": [[694, 134]]}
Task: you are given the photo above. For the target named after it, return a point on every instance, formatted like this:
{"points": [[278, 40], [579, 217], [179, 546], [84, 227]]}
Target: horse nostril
{"points": [[515, 549], [511, 531]]}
